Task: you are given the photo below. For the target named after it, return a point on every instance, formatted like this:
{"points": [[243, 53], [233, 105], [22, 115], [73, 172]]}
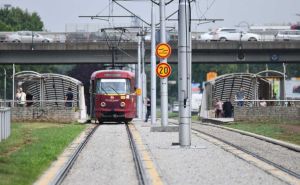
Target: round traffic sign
{"points": [[163, 50], [163, 70]]}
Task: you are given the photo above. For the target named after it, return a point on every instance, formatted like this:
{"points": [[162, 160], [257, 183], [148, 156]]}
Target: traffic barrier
{"points": [[5, 123]]}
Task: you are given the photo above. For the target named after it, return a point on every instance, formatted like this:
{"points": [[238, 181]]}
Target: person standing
{"points": [[148, 101], [227, 108], [69, 98], [18, 96], [240, 96], [22, 98], [218, 108]]}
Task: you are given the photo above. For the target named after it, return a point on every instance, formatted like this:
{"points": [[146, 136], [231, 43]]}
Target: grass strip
{"points": [[31, 148], [289, 132]]}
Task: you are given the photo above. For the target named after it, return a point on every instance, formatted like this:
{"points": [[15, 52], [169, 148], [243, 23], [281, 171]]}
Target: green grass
{"points": [[31, 148], [289, 132]]}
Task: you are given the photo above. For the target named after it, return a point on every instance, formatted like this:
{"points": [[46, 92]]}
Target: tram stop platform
{"points": [[207, 161]]}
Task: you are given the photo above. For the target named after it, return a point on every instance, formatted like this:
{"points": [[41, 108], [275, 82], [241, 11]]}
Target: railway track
{"points": [[254, 154], [140, 174], [64, 171]]}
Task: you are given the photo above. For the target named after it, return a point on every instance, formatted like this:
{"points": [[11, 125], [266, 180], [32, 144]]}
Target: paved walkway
{"points": [[203, 163]]}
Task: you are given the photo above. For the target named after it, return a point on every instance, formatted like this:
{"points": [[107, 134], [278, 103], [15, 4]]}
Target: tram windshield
{"points": [[113, 86]]}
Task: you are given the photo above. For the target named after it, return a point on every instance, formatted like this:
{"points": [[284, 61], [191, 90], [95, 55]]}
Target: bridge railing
{"points": [[78, 37], [5, 123]]}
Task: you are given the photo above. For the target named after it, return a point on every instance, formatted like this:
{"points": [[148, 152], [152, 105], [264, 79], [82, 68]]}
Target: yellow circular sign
{"points": [[163, 70], [163, 50], [138, 91]]}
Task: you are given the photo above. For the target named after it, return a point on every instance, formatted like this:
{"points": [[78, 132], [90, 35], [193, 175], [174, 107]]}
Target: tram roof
{"points": [[102, 74]]}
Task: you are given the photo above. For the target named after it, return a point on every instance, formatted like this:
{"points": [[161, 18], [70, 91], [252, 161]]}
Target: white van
{"points": [[286, 35]]}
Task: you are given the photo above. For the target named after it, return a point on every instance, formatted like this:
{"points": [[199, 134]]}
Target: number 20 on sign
{"points": [[163, 70]]}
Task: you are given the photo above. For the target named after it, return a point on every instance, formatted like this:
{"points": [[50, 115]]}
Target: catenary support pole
{"points": [[184, 73], [144, 78], [139, 80], [284, 82], [13, 86], [163, 81], [153, 67], [4, 89]]}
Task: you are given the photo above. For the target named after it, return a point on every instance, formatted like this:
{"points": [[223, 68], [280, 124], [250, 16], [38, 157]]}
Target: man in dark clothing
{"points": [[227, 108], [69, 98], [148, 101]]}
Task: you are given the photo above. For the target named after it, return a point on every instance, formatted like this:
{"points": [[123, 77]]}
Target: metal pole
{"points": [[284, 79], [139, 84], [163, 81], [184, 73], [153, 67], [13, 86], [144, 80], [4, 85]]}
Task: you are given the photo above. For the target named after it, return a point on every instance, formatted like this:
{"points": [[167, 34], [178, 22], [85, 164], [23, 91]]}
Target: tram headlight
{"points": [[122, 104], [103, 104]]}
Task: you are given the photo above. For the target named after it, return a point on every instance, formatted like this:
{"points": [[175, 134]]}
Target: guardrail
{"points": [[78, 37], [5, 123]]}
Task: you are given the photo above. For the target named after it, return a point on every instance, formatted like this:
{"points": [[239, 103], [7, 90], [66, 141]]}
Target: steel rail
{"points": [[252, 154], [294, 174], [283, 144], [64, 171], [136, 158]]}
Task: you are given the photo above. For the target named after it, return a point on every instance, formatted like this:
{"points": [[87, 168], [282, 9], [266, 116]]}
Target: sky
{"points": [[62, 15]]}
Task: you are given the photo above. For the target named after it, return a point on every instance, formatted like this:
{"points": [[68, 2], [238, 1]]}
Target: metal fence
{"points": [[5, 123]]}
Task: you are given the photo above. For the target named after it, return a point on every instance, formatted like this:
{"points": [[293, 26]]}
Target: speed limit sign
{"points": [[163, 70]]}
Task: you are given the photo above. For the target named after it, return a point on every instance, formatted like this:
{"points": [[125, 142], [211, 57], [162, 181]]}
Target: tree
{"points": [[16, 19]]}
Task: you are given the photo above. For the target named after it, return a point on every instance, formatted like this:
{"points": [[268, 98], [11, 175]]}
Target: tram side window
{"points": [[113, 86]]}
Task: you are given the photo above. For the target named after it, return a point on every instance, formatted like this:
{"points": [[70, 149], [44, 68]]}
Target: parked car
{"points": [[229, 34], [286, 35], [26, 37]]}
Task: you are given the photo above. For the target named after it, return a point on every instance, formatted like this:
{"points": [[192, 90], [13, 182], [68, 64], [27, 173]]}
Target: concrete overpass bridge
{"points": [[203, 52]]}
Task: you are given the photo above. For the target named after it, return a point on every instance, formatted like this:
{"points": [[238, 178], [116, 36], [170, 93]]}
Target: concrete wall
{"points": [[53, 114], [275, 113]]}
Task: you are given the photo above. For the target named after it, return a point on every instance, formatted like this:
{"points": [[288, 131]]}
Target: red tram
{"points": [[113, 96]]}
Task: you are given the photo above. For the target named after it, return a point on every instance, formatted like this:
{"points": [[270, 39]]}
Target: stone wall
{"points": [[51, 114], [275, 113]]}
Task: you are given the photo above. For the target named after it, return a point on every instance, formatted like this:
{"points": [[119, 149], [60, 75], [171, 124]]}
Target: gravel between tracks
{"points": [[211, 165], [106, 159], [275, 153]]}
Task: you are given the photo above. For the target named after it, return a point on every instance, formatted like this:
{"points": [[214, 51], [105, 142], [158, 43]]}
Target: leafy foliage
{"points": [[15, 19]]}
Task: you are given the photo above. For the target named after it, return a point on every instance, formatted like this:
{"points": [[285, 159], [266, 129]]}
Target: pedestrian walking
{"points": [[148, 101]]}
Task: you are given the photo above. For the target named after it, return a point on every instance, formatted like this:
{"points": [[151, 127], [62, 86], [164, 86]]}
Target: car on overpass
{"points": [[26, 37], [229, 34], [287, 35]]}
